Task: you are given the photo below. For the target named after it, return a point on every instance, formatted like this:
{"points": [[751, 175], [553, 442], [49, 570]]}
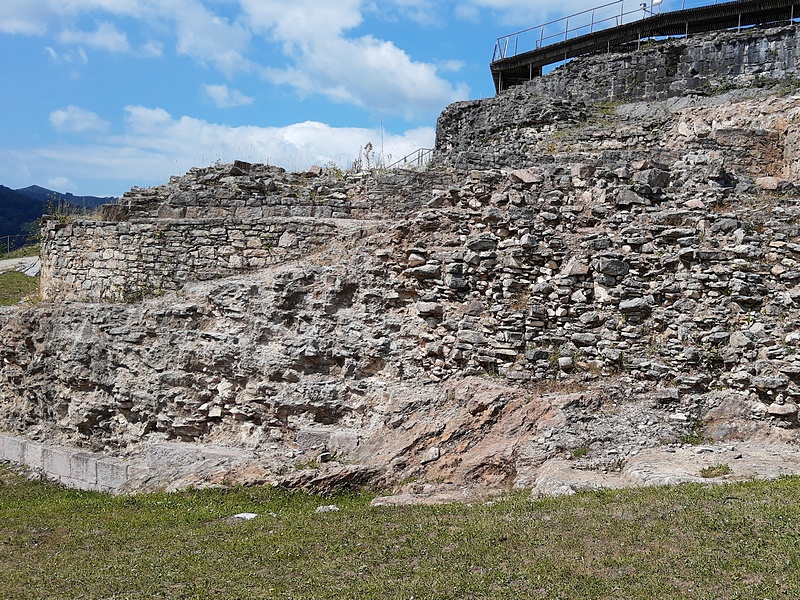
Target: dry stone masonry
{"points": [[574, 291], [212, 223]]}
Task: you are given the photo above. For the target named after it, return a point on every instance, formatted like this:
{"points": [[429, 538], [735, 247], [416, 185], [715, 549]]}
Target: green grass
{"points": [[24, 252], [717, 470], [727, 541], [15, 286]]}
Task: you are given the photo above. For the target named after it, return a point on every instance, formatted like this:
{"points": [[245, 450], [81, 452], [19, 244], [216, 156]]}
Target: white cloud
{"points": [[105, 37], [60, 183], [423, 12], [370, 73], [199, 33], [77, 55], [156, 145], [195, 142], [207, 37], [365, 71], [31, 17], [153, 49], [320, 56], [36, 17], [143, 121], [451, 65], [76, 120], [303, 21], [225, 97]]}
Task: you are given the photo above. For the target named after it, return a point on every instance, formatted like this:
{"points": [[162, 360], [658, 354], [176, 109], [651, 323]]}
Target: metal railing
{"points": [[6, 246], [585, 22], [414, 160]]}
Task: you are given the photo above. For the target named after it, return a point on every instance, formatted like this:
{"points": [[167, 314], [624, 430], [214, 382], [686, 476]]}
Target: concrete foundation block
{"points": [[56, 462], [12, 448], [33, 455], [111, 474], [83, 468]]}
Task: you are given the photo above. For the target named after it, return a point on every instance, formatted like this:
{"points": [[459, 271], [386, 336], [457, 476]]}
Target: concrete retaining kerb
{"points": [[71, 466], [56, 462], [83, 468], [11, 448], [112, 474], [33, 455]]}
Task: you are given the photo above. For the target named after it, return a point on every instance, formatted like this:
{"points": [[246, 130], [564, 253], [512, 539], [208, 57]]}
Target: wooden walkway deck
{"points": [[508, 72]]}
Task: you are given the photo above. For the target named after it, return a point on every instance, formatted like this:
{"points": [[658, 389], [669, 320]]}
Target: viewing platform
{"points": [[521, 56]]}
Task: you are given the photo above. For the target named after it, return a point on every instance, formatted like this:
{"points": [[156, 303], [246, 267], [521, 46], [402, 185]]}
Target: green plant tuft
{"points": [[717, 470]]}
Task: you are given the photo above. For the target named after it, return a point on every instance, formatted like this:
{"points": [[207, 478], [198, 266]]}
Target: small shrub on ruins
{"points": [[608, 107], [697, 437], [63, 212], [132, 294], [717, 470], [579, 452], [335, 170]]}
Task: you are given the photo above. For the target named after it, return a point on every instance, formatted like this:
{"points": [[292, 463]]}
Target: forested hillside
{"points": [[51, 197], [18, 214], [20, 210]]}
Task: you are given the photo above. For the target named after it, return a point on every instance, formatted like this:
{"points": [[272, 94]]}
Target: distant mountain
{"points": [[18, 214], [50, 197], [21, 209]]}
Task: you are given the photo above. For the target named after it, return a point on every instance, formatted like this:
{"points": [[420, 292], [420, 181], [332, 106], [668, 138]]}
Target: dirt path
{"points": [[29, 265]]}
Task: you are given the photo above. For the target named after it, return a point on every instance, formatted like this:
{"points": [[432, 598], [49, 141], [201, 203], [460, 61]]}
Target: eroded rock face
{"points": [[587, 304]]}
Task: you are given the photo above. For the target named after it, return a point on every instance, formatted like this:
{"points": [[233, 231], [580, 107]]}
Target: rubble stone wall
{"points": [[636, 286], [214, 222], [681, 66], [125, 261], [501, 132], [255, 191]]}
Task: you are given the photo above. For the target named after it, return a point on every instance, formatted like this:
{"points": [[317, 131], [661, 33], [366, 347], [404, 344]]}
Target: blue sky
{"points": [[102, 95]]}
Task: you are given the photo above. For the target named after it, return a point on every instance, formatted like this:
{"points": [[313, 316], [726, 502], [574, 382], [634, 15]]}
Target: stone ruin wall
{"points": [[212, 223], [507, 130], [216, 224], [659, 70], [131, 260], [638, 261]]}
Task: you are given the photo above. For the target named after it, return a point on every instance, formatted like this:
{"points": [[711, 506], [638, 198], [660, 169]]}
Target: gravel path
{"points": [[30, 265]]}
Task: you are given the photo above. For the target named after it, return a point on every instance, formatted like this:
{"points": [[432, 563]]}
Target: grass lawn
{"points": [[25, 251], [15, 286], [731, 541]]}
